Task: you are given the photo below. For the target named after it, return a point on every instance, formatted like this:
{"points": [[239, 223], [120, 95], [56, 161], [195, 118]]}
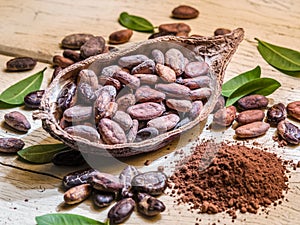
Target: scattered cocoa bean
{"points": [[111, 132], [221, 31], [78, 113], [20, 64], [83, 131], [174, 28], [75, 41], [293, 109], [77, 194], [147, 94], [72, 55], [146, 67], [164, 123], [225, 116], [61, 61], [33, 99], [161, 34], [105, 182], [276, 113], [252, 102], [103, 199], [146, 133], [250, 116], [120, 37], [184, 12], [148, 205], [77, 178], [145, 111], [165, 73], [131, 60], [69, 157], [121, 211], [251, 130], [179, 105], [289, 132], [93, 46], [17, 121], [11, 145]]}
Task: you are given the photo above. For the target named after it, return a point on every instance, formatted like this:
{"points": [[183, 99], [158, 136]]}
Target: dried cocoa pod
{"points": [[83, 131], [158, 56], [145, 111], [110, 70], [165, 73], [33, 99], [93, 46], [61, 61], [103, 199], [123, 119], [72, 55], [196, 82], [78, 113], [150, 79], [11, 145], [251, 130], [121, 211], [77, 194], [200, 94], [164, 123], [20, 64], [148, 205], [104, 80], [221, 31], [147, 94], [89, 77], [174, 90], [184, 12], [75, 41], [146, 67], [131, 60], [66, 96], [132, 132], [77, 178], [69, 157], [153, 182], [250, 116], [86, 93], [293, 109], [219, 104], [111, 132], [102, 104], [225, 116], [127, 79], [161, 34], [289, 132], [125, 101], [196, 109], [175, 59], [179, 105], [276, 113], [195, 69], [146, 133], [174, 28], [252, 102], [105, 182], [17, 121], [125, 178], [120, 36]]}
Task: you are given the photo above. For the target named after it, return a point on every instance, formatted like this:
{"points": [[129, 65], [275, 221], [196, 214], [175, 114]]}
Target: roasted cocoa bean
{"points": [[174, 90], [158, 56], [147, 94], [289, 132], [17, 121], [127, 79], [132, 132], [150, 79], [104, 80], [196, 109], [174, 28], [77, 178], [196, 82], [105, 182], [164, 123], [61, 61], [20, 64], [221, 31], [86, 93], [123, 119], [103, 199], [132, 60], [67, 96], [125, 101], [110, 70], [179, 105], [75, 41], [78, 113], [161, 34], [219, 104], [121, 211], [69, 157], [89, 77], [11, 145], [252, 102], [111, 132], [72, 55], [120, 36], [225, 116], [33, 99], [195, 69], [146, 67], [145, 111], [165, 73], [146, 133], [251, 130], [148, 205], [153, 182], [83, 131], [200, 94], [77, 194], [125, 178], [93, 46], [293, 109], [184, 12], [175, 59], [106, 95], [276, 113], [250, 116]]}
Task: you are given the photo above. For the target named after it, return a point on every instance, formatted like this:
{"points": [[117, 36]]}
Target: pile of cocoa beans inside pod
{"points": [[252, 121], [131, 190], [138, 98]]}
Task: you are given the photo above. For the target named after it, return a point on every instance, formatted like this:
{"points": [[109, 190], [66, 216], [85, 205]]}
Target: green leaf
{"points": [[41, 153], [281, 58], [66, 219], [263, 86], [135, 23], [230, 86], [14, 95]]}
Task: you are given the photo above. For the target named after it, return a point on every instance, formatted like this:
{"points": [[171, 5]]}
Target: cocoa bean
{"points": [[174, 28], [125, 101], [179, 105], [93, 46], [158, 56], [61, 61], [184, 12], [120, 36], [131, 60], [89, 77], [86, 93], [103, 199], [107, 95], [67, 96], [148, 205], [105, 182], [146, 133], [127, 79], [11, 145], [195, 69], [196, 82], [147, 78], [132, 132], [175, 59], [165, 73], [110, 70], [293, 109], [250, 116], [72, 55], [75, 41], [121, 211], [33, 99], [20, 64], [147, 94], [161, 34], [125, 178], [196, 109], [77, 178], [276, 113], [289, 132], [221, 31], [17, 121], [104, 80], [77, 194], [164, 123], [146, 67], [123, 119], [174, 90], [225, 116], [111, 132], [69, 157], [200, 94], [253, 102], [252, 130], [77, 113], [83, 131], [145, 111]]}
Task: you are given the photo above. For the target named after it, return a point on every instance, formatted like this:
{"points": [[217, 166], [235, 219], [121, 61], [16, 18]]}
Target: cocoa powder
{"points": [[233, 178]]}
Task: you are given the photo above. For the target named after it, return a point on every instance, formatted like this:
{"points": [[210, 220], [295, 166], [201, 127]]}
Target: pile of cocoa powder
{"points": [[229, 177]]}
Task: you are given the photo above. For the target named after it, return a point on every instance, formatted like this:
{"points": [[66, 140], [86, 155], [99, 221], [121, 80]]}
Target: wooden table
{"points": [[35, 28]]}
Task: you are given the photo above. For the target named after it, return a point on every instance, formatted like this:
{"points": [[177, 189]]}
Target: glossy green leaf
{"points": [[263, 86], [15, 94], [230, 86], [41, 153], [281, 58], [66, 219], [135, 23]]}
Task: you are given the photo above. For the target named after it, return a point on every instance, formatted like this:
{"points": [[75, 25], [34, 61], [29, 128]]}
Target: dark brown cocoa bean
{"points": [[131, 60], [75, 41], [110, 70], [219, 104], [147, 94], [158, 56], [148, 205], [165, 73], [72, 55], [103, 199], [146, 67], [174, 28], [104, 80], [196, 82], [200, 94], [289, 132], [195, 69], [33, 99], [225, 116], [67, 96], [77, 178], [293, 109], [250, 116], [196, 109], [221, 31], [276, 113], [93, 46], [146, 133], [83, 131], [17, 121], [86, 93], [69, 157], [175, 59], [11, 145], [123, 119], [56, 71], [161, 34], [179, 105], [105, 182], [121, 211], [125, 101], [20, 64], [184, 12], [147, 78], [127, 79], [174, 90], [111, 132], [77, 194], [78, 113], [253, 102], [132, 132], [145, 111], [120, 36], [61, 61], [104, 101], [89, 77], [125, 178], [252, 130], [164, 123]]}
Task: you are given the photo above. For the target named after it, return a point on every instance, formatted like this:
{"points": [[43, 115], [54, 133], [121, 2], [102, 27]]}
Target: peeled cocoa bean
{"points": [[77, 194], [33, 99], [225, 116], [132, 60], [179, 105], [195, 69], [148, 205], [127, 79], [89, 77], [175, 59], [147, 94], [132, 132], [252, 130], [93, 46], [121, 211], [164, 123], [150, 79], [252, 102], [184, 12], [146, 133], [276, 113], [196, 82], [174, 90], [11, 145], [20, 64], [250, 116], [146, 67], [196, 109], [111, 132], [17, 121], [289, 132], [75, 41], [165, 73], [125, 101], [84, 131], [145, 111], [293, 109], [158, 56], [120, 36], [61, 61], [78, 113], [123, 119]]}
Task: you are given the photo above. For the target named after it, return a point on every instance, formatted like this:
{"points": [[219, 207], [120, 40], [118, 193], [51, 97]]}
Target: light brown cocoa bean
{"points": [[78, 113], [77, 194], [104, 80], [251, 130], [75, 41], [195, 69], [175, 59], [250, 116], [253, 102], [146, 133], [146, 67], [110, 70], [120, 36], [164, 123], [225, 116], [123, 119], [174, 28], [84, 131], [200, 94], [165, 73], [293, 109], [174, 90], [147, 94], [107, 95], [221, 31], [111, 132], [105, 182], [148, 205], [184, 12], [11, 145], [196, 109], [89, 77], [61, 61], [145, 111], [132, 132], [125, 101], [131, 60], [196, 82], [158, 56], [21, 64], [147, 78], [93, 46], [127, 79], [179, 105], [17, 121], [289, 132]]}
